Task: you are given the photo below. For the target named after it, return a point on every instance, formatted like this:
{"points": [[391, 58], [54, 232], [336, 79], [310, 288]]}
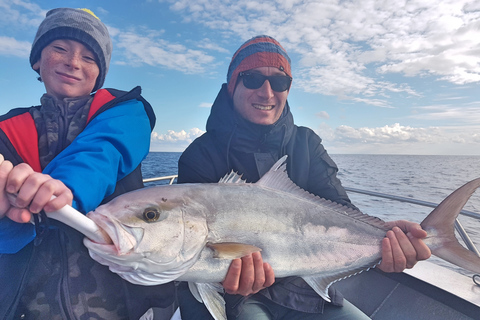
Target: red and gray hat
{"points": [[260, 51], [81, 25]]}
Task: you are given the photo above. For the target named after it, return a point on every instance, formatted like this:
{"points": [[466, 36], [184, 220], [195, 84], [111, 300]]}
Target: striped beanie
{"points": [[81, 25], [260, 51]]}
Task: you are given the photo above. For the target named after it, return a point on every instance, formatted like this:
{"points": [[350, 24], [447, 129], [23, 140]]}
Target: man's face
{"points": [[263, 105], [68, 69]]}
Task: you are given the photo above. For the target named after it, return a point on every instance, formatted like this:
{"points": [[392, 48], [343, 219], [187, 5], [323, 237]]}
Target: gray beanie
{"points": [[75, 24]]}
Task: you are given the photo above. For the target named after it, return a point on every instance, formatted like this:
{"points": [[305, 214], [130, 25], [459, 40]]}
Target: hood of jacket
{"points": [[236, 133]]}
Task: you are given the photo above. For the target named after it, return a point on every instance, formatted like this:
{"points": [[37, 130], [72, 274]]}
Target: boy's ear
{"points": [[36, 66]]}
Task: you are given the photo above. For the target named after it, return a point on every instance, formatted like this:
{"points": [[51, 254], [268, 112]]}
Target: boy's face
{"points": [[68, 69], [263, 105]]}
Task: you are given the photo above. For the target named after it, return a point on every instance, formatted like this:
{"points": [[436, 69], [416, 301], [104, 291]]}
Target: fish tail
{"points": [[440, 226]]}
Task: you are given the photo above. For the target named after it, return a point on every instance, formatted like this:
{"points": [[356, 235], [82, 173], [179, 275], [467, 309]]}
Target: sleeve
{"points": [[13, 236], [198, 163], [111, 146], [323, 180]]}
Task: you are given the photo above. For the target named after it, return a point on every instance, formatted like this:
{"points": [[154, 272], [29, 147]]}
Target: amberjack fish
{"points": [[191, 232]]}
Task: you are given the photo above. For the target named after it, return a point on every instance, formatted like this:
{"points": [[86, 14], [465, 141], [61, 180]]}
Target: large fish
{"points": [[191, 232]]}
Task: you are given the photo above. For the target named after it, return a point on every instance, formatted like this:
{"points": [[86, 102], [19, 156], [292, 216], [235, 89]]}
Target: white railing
{"points": [[171, 178]]}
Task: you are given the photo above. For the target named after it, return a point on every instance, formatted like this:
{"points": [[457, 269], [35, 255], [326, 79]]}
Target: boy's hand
{"points": [[33, 191]]}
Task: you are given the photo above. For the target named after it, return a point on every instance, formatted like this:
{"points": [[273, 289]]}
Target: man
{"points": [[249, 128], [83, 145]]}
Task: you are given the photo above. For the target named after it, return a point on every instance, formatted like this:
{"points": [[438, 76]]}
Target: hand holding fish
{"points": [[403, 247], [248, 275], [34, 192]]}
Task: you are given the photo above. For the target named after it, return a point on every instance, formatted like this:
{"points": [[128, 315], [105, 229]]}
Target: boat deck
{"points": [[425, 292]]}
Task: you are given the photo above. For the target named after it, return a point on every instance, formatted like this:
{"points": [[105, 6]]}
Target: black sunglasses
{"points": [[256, 80]]}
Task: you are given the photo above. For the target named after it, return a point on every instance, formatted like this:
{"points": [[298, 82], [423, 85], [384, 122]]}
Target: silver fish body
{"points": [[191, 232]]}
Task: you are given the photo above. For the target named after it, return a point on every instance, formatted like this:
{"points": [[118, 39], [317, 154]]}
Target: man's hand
{"points": [[248, 275], [403, 246]]}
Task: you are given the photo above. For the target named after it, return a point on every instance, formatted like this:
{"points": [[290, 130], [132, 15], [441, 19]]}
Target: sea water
{"points": [[427, 178]]}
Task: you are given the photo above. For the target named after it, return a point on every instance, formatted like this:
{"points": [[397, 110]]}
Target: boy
{"points": [[84, 149]]}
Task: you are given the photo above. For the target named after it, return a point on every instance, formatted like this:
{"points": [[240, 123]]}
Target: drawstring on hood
{"points": [[283, 149], [229, 142]]}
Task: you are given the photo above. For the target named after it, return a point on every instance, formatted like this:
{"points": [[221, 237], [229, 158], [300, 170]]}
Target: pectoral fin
{"points": [[321, 282], [320, 285], [210, 296], [231, 250]]}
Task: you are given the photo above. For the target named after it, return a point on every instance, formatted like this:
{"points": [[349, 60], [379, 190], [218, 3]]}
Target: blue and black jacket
{"points": [[45, 270]]}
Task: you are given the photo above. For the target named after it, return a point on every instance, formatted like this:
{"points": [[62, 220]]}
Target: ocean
{"points": [[427, 178]]}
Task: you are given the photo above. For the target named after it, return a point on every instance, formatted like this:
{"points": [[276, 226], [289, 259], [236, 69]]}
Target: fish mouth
{"points": [[124, 238]]}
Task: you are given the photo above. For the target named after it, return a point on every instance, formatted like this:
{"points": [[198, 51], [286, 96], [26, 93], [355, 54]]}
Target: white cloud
{"points": [[322, 115], [398, 139], [208, 44], [373, 102], [20, 14], [387, 134], [172, 136], [12, 47], [149, 48], [172, 140], [205, 105], [338, 42], [461, 113], [389, 139]]}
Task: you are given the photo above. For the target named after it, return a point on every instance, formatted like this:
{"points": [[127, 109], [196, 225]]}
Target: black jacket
{"points": [[233, 143]]}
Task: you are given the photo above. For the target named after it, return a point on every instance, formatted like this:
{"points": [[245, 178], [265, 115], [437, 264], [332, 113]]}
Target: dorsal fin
{"points": [[232, 177], [277, 178]]}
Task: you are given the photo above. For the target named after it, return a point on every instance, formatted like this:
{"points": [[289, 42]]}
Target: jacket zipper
{"points": [[64, 292]]}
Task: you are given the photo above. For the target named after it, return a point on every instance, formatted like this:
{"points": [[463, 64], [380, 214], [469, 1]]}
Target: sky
{"points": [[369, 77]]}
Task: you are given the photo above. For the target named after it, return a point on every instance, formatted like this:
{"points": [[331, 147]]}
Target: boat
{"points": [[426, 292]]}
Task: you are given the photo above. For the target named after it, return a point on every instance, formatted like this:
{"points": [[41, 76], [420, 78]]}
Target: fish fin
{"points": [[320, 283], [149, 315], [277, 178], [231, 250], [440, 226], [210, 296], [232, 177], [194, 290]]}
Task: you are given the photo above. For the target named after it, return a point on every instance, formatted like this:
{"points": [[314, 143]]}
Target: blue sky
{"points": [[386, 77]]}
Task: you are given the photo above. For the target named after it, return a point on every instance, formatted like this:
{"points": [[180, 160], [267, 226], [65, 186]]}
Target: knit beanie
{"points": [[260, 51], [75, 24]]}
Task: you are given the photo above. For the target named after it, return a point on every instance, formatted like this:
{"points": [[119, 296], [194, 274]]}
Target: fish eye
{"points": [[151, 214]]}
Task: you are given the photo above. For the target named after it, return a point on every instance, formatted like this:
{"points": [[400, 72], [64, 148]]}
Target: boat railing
{"points": [[155, 179], [458, 226]]}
